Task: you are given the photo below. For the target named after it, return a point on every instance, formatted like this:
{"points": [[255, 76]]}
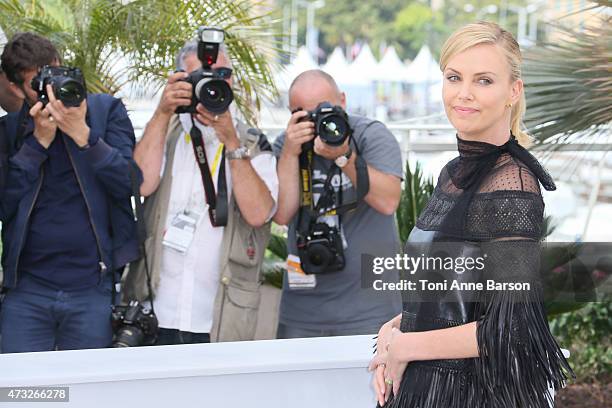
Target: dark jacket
{"points": [[103, 172], [3, 153]]}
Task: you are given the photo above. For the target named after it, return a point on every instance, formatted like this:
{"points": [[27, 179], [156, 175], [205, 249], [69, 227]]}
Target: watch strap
{"points": [[240, 153], [342, 160]]}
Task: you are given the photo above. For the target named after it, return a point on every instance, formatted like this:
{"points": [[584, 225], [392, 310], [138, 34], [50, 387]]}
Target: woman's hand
{"points": [[379, 361], [384, 337], [389, 366], [396, 362], [378, 381]]}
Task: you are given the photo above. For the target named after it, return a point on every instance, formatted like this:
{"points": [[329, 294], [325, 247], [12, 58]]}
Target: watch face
{"points": [[341, 161]]}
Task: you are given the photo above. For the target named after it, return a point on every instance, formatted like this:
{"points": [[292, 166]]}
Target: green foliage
{"points": [[278, 246], [568, 84], [98, 35], [273, 273], [417, 24], [415, 194], [586, 333], [570, 273], [276, 255], [405, 24]]}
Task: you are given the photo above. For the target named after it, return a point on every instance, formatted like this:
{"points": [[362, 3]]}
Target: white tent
{"points": [[363, 70], [391, 68], [303, 61], [336, 64], [424, 68]]}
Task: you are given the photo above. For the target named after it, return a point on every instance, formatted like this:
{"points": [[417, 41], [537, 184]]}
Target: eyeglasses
{"points": [[224, 73]]}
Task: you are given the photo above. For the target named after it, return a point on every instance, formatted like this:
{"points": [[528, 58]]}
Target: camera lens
{"points": [[70, 92], [319, 255], [129, 336], [216, 95], [333, 129]]}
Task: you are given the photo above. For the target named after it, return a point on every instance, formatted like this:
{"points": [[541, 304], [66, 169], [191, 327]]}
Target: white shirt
{"points": [[189, 281]]}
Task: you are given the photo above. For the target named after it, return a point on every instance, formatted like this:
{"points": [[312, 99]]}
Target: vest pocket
{"points": [[239, 314]]}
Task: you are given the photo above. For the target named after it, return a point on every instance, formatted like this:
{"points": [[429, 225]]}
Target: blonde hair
{"points": [[485, 32]]}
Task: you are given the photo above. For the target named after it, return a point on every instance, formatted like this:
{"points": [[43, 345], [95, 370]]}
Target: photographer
{"points": [[65, 208], [8, 103], [345, 157], [204, 267]]}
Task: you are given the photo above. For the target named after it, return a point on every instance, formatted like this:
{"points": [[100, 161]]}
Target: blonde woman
{"points": [[493, 349]]}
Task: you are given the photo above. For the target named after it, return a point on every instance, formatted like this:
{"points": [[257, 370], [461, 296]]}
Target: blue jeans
{"points": [[35, 317]]}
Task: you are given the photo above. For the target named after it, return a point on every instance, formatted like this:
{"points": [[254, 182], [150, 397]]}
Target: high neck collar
{"points": [[474, 149]]}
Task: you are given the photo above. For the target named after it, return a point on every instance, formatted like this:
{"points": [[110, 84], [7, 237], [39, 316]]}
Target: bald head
{"points": [[313, 87]]}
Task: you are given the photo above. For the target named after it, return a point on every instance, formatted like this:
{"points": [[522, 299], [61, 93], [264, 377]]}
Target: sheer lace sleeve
{"points": [[519, 358], [507, 204]]}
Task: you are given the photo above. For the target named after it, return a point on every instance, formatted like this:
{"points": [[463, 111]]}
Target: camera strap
{"points": [[308, 211], [217, 201], [362, 188], [141, 232]]}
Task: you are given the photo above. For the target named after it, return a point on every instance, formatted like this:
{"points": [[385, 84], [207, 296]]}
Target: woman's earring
{"points": [[509, 105]]}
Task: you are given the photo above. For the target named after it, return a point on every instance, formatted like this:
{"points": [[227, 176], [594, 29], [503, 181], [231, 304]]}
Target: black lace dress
{"points": [[488, 199]]}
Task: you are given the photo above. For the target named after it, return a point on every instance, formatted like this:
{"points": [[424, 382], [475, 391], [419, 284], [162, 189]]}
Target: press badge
{"points": [[181, 231], [297, 278]]}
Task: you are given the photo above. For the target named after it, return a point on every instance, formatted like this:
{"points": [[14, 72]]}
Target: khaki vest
{"points": [[238, 295]]}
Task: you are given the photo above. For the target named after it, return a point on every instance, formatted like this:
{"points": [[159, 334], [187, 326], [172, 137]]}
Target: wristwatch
{"points": [[240, 153], [342, 161]]}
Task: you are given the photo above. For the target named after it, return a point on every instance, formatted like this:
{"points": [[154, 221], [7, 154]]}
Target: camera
{"points": [[68, 85], [331, 123], [321, 250], [209, 85], [133, 325]]}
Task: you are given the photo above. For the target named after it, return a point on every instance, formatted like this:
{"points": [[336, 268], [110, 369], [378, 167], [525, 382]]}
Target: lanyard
{"points": [[217, 155]]}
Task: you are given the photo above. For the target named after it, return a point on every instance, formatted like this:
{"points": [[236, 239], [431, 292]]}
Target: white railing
{"points": [[297, 373]]}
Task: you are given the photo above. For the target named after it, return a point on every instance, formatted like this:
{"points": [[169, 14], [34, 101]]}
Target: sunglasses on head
{"points": [[224, 73]]}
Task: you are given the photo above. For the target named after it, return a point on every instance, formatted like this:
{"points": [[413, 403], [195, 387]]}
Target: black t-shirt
{"points": [[60, 248]]}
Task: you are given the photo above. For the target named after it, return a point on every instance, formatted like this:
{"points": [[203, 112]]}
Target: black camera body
{"points": [[68, 85], [331, 123], [209, 86], [133, 325], [321, 250]]}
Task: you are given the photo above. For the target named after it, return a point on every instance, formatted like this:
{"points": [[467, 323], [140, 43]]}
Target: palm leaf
{"points": [[114, 42], [248, 40], [568, 85]]}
